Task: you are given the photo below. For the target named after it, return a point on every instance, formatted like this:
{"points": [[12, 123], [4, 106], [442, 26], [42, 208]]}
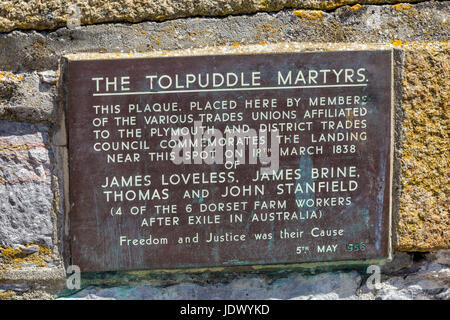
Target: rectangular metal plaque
{"points": [[204, 161]]}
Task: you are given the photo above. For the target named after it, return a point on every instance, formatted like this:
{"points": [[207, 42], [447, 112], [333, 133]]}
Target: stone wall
{"points": [[33, 217]]}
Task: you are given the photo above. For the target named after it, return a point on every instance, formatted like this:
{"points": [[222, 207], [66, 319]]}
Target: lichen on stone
{"points": [[401, 6], [424, 218], [16, 258], [355, 7], [309, 14], [6, 295]]}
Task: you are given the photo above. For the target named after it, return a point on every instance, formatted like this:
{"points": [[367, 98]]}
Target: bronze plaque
{"points": [[204, 161]]}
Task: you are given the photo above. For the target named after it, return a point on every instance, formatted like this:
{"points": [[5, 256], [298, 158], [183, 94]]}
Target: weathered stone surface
{"points": [[400, 261], [32, 282], [294, 286], [25, 184], [27, 96], [14, 287], [26, 250], [424, 219], [426, 21], [52, 273], [36, 14], [443, 257], [424, 279]]}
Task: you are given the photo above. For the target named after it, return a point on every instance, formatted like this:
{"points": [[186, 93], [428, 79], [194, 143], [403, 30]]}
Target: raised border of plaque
{"points": [[102, 237]]}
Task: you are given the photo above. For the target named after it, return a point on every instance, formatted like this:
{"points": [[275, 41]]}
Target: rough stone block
{"points": [[27, 96], [25, 184], [427, 21], [338, 285], [35, 14], [423, 218]]}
